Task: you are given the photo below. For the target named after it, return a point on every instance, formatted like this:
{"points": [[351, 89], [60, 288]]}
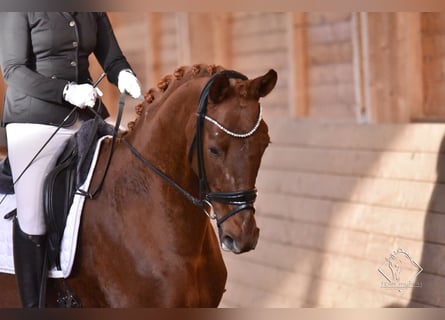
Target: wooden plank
{"points": [[380, 52], [334, 32], [262, 59], [243, 287], [167, 40], [327, 94], [351, 271], [183, 38], [434, 96], [418, 137], [360, 63], [409, 165], [240, 295], [168, 22], [322, 18], [331, 74], [395, 66], [259, 42], [245, 25], [278, 283], [406, 224], [314, 266], [127, 33], [153, 48], [201, 37], [372, 191], [410, 64], [222, 39], [367, 246], [416, 225], [335, 112], [433, 46], [433, 23], [310, 289], [333, 265], [298, 65], [434, 69], [337, 52]]}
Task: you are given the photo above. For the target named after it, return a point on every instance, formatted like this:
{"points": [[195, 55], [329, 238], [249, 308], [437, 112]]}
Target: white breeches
{"points": [[24, 141]]}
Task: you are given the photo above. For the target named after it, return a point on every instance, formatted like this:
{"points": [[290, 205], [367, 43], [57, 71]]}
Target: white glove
{"points": [[127, 82], [81, 95]]}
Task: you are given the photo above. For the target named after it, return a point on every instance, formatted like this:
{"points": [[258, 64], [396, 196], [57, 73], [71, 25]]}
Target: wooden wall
{"points": [[335, 200], [321, 60], [332, 66]]}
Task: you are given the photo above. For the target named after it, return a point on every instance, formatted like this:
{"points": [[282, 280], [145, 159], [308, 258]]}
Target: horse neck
{"points": [[163, 137], [163, 134]]}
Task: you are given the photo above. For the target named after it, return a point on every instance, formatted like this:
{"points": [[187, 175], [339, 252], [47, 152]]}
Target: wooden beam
{"points": [[360, 61], [153, 47], [394, 66], [298, 65], [183, 38], [410, 63], [222, 39]]}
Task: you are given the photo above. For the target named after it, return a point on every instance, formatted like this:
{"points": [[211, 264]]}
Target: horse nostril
{"points": [[228, 244]]}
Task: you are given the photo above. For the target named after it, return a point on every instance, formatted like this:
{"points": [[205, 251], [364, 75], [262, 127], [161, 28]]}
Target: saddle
{"points": [[63, 182], [59, 188]]}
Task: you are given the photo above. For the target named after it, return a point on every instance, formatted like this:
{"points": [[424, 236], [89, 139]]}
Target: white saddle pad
{"points": [[69, 240]]}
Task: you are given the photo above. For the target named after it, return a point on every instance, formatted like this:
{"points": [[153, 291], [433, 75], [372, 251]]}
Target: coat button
{"points": [[72, 23], [73, 63], [75, 44]]}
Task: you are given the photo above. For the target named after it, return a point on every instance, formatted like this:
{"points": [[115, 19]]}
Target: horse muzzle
{"points": [[239, 235], [238, 232], [231, 244]]}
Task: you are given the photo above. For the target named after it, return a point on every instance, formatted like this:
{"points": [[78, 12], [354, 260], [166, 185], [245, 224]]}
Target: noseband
{"points": [[241, 199]]}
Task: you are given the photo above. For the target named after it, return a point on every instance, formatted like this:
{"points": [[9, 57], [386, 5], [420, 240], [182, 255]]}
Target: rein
{"points": [[93, 194], [241, 199]]}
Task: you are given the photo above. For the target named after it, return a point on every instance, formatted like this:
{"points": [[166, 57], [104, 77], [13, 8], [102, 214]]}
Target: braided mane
{"points": [[155, 96]]}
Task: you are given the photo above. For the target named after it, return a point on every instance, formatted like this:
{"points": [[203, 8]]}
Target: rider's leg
{"points": [[24, 141]]}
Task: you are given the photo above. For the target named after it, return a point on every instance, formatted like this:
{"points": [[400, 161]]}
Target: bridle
{"points": [[243, 199]]}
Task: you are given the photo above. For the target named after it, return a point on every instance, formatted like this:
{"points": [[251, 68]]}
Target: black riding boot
{"points": [[29, 256]]}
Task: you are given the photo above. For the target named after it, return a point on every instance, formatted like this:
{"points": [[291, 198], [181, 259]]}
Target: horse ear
{"points": [[219, 88], [262, 86]]}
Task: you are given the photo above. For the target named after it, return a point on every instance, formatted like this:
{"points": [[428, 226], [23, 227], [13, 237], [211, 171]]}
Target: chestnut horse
{"points": [[146, 240]]}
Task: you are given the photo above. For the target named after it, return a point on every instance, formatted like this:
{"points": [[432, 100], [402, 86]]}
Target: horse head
{"points": [[233, 140]]}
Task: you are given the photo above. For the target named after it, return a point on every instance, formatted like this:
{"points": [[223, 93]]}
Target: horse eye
{"points": [[214, 151]]}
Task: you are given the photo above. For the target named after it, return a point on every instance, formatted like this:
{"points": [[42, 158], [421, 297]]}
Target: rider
{"points": [[44, 61]]}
